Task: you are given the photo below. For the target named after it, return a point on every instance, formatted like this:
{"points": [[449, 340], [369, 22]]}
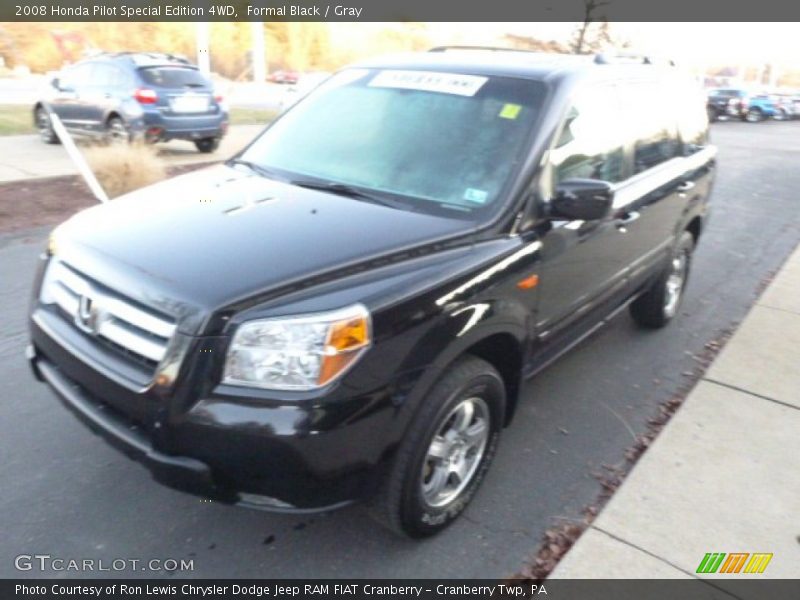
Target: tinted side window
{"points": [[591, 145], [692, 117], [78, 76], [651, 115], [102, 75]]}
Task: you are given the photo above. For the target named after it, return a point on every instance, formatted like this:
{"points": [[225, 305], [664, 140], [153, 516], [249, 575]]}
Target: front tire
{"points": [[449, 446], [660, 303], [45, 127], [117, 132], [754, 115]]}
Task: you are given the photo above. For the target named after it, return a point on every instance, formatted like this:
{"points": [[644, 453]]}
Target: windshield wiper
{"points": [[254, 167], [342, 189]]}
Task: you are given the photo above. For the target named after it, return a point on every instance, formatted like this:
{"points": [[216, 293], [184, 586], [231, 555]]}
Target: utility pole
{"points": [[258, 52], [201, 41], [773, 76]]}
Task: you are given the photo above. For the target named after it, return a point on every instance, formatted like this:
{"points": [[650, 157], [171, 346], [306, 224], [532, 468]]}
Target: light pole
{"points": [[258, 52], [201, 41]]}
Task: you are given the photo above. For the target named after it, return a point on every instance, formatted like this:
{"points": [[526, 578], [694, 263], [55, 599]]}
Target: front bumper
{"points": [[219, 443], [184, 473]]}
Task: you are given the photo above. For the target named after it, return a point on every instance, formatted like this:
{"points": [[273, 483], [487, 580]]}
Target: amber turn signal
{"points": [[345, 341], [528, 283]]}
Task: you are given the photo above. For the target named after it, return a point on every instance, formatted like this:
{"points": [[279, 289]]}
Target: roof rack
{"points": [[606, 58], [478, 48]]}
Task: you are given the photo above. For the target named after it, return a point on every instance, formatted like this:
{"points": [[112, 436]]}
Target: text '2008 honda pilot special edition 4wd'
{"points": [[346, 309]]}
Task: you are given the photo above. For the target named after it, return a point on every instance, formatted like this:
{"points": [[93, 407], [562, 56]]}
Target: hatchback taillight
{"points": [[145, 96]]}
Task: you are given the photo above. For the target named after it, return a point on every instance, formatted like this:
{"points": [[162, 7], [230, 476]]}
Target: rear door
{"points": [[98, 98], [648, 205]]}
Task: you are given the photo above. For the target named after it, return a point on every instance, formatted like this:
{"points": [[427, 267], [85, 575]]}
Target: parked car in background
{"points": [[788, 106], [287, 77], [741, 104], [760, 107], [126, 95], [352, 313], [726, 103]]}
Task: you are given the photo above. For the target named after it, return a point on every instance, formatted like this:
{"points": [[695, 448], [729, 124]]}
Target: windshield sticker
{"points": [[427, 81], [510, 111], [477, 196]]}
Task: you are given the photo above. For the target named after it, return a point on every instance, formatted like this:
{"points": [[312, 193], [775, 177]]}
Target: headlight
{"points": [[297, 353]]}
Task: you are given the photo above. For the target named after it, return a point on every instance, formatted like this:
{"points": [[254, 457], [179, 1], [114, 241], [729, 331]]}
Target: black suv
{"points": [[125, 95], [347, 308]]}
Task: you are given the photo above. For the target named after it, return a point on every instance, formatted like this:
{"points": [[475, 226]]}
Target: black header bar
{"points": [[398, 10]]}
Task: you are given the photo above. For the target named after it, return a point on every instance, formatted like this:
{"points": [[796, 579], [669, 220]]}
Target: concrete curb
{"points": [[722, 475]]}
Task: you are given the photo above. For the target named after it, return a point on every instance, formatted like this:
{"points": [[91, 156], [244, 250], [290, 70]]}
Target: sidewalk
{"points": [[724, 474], [27, 157]]}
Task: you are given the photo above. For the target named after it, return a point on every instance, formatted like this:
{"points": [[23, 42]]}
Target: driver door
{"points": [[584, 263]]}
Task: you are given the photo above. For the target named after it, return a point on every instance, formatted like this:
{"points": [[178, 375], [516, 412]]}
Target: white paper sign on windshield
{"points": [[429, 81]]}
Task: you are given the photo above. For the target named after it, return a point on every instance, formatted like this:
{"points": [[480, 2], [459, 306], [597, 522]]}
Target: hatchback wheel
{"points": [[659, 304], [117, 132], [207, 145], [448, 448], [45, 127]]}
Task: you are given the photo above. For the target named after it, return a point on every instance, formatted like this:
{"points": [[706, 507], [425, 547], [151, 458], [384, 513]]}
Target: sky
{"points": [[692, 44]]}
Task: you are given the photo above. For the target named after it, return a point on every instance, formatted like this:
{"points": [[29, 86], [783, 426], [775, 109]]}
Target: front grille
{"points": [[135, 333]]}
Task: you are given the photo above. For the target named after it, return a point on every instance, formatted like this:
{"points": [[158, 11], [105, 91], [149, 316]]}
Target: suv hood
{"points": [[216, 237]]}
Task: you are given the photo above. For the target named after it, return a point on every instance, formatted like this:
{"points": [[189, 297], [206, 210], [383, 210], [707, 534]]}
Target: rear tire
{"points": [[448, 448], [660, 303], [754, 115], [207, 145], [45, 127]]}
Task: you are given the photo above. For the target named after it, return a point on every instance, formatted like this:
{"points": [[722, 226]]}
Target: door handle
{"points": [[627, 218], [686, 186]]}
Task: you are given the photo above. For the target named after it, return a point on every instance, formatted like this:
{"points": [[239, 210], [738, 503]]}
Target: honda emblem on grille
{"points": [[89, 316]]}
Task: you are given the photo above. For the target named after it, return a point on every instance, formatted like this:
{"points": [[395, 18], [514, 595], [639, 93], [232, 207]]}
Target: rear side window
{"points": [[591, 143], [174, 77], [650, 112], [692, 117], [78, 76], [105, 75]]}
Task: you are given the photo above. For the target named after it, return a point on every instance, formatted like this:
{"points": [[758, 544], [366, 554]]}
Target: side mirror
{"points": [[55, 83], [582, 199]]}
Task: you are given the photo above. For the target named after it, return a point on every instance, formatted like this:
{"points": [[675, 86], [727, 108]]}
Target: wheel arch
{"points": [[695, 227]]}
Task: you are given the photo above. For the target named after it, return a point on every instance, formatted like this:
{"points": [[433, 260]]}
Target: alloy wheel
{"points": [[455, 452], [674, 285]]}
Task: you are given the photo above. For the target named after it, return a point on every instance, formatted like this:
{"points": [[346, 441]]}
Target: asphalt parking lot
{"points": [[69, 495]]}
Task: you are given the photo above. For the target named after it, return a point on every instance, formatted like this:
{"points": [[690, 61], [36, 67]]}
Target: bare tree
{"points": [[583, 43]]}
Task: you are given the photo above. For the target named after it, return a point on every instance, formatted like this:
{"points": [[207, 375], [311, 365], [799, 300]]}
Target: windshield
{"points": [[430, 140]]}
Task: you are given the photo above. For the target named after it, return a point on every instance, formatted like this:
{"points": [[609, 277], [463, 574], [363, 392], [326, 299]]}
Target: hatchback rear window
{"points": [[177, 77]]}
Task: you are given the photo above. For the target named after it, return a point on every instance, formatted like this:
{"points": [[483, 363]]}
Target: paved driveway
{"points": [[66, 493]]}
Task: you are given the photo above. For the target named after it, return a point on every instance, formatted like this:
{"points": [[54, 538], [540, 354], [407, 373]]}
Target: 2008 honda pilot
{"points": [[346, 309]]}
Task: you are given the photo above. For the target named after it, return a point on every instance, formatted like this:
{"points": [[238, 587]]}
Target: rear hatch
{"points": [[180, 90]]}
